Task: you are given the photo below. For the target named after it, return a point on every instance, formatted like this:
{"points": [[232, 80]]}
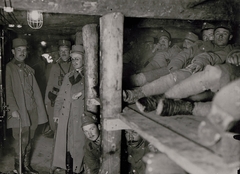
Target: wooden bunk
{"points": [[175, 136]]}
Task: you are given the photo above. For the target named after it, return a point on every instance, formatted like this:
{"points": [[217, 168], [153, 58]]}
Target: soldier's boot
{"points": [[148, 104], [69, 163], [196, 84], [170, 107], [224, 114], [27, 158], [131, 96]]}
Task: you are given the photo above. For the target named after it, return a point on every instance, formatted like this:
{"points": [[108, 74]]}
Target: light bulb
{"points": [[34, 15]]}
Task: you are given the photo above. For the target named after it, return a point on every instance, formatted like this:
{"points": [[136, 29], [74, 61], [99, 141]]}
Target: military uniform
{"points": [[23, 97], [135, 155], [92, 155], [55, 80]]}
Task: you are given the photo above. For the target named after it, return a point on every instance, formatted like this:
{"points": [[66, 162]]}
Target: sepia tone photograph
{"points": [[119, 87]]}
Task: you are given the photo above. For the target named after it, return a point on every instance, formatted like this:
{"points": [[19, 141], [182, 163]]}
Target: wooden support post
{"points": [[90, 42], [111, 46], [79, 38]]}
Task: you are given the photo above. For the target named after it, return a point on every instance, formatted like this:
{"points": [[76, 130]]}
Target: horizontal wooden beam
{"points": [[165, 9]]}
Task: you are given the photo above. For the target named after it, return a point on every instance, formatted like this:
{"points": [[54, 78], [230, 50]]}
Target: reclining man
{"points": [[200, 55]]}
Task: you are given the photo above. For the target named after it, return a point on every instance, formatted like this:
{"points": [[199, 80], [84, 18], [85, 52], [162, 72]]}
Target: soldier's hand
{"points": [[55, 119], [194, 68], [15, 114], [234, 59]]}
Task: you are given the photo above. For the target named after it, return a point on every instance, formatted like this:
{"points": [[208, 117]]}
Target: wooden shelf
{"points": [[177, 138]]}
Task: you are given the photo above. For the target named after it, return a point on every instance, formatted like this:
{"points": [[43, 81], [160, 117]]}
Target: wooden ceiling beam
{"points": [[164, 9]]}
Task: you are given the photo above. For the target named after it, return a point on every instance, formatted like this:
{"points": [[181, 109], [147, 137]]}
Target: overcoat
{"points": [[15, 98], [56, 74], [69, 112]]}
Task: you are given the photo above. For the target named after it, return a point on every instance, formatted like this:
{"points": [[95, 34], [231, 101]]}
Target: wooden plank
{"points": [[187, 128], [190, 156], [90, 42], [165, 9]]}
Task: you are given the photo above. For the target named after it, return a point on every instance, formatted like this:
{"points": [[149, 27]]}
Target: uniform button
{"points": [[63, 106]]}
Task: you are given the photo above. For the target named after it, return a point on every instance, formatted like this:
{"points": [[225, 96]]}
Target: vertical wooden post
{"points": [[79, 38], [111, 46], [90, 42]]}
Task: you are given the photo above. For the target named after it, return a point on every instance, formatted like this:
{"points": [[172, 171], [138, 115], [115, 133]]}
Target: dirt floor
{"points": [[41, 158]]}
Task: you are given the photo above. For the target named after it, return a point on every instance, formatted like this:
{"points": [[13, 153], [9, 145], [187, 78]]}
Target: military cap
{"points": [[77, 49], [207, 26], [64, 43], [19, 42], [89, 118], [164, 33], [191, 36], [225, 25]]}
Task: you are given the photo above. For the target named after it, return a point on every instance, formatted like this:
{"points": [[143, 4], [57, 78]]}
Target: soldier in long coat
{"points": [[68, 109], [25, 102], [55, 80]]}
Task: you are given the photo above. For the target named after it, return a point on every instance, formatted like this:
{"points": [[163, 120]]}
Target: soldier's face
{"points": [[187, 43], [164, 43], [91, 131], [222, 36], [208, 34], [77, 60], [64, 53], [20, 53], [133, 138]]}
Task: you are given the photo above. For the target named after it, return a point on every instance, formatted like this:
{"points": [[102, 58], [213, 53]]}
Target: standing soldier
{"points": [[57, 72], [68, 110], [25, 104]]}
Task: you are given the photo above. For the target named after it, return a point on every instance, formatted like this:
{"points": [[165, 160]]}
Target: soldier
{"points": [[189, 39], [159, 65], [207, 31], [194, 59], [137, 57], [25, 104], [58, 71], [68, 110], [92, 148], [137, 148]]}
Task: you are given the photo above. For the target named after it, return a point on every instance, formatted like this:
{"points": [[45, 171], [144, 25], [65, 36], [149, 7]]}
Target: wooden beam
{"points": [[169, 139], [165, 9], [111, 50], [90, 42]]}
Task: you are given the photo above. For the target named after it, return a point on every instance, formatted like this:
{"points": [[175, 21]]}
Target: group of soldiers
{"points": [[76, 131], [202, 80], [155, 77]]}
